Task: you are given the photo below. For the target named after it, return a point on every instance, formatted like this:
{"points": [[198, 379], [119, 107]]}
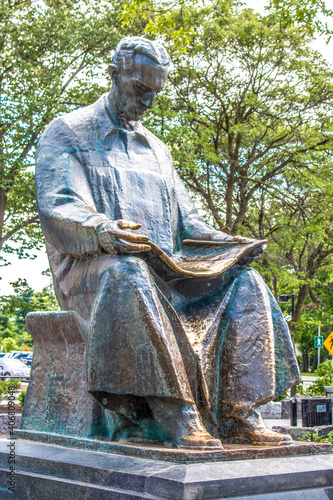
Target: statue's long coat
{"points": [[216, 340]]}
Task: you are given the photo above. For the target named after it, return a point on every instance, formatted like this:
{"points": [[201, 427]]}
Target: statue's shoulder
{"points": [[160, 144], [74, 126]]}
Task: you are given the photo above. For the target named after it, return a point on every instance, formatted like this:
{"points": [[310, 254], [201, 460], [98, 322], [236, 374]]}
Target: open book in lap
{"points": [[201, 258]]}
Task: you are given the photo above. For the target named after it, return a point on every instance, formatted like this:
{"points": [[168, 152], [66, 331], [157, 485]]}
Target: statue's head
{"points": [[139, 70]]}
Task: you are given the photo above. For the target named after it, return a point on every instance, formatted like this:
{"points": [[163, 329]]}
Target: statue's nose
{"points": [[148, 101]]}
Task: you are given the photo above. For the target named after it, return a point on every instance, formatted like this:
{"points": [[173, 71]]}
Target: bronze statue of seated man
{"points": [[184, 338]]}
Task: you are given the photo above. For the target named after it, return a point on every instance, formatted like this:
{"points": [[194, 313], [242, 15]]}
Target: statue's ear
{"points": [[113, 72]]}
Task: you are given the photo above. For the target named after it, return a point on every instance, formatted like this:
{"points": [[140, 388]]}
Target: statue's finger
{"points": [[126, 224], [124, 246], [135, 238]]}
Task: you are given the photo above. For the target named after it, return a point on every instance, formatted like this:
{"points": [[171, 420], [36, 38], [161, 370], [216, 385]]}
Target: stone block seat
{"points": [[57, 400]]}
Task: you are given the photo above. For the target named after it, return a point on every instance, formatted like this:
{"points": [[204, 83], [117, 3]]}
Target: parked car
{"points": [[4, 355], [14, 368], [12, 353], [25, 357]]}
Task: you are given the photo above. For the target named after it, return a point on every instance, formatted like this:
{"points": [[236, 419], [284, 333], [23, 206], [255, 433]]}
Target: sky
{"points": [[32, 270]]}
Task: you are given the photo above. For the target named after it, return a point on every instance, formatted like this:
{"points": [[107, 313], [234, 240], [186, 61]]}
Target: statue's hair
{"points": [[130, 45]]}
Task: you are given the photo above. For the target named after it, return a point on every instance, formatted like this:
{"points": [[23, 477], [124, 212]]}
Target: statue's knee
{"points": [[249, 293], [249, 275], [125, 267]]}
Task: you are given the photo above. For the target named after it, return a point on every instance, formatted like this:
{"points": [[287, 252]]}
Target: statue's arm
{"points": [[69, 218]]}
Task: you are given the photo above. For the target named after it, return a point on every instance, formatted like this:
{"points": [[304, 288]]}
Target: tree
{"points": [[310, 14], [248, 101], [15, 307], [248, 120], [51, 55], [9, 345], [313, 317], [299, 222]]}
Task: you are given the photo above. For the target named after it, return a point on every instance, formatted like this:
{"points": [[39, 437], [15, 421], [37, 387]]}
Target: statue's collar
{"points": [[119, 122], [127, 132]]}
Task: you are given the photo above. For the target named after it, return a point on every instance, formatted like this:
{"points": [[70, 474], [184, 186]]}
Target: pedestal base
{"points": [[170, 454], [48, 471]]}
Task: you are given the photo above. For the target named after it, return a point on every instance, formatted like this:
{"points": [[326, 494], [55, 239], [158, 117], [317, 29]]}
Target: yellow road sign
{"points": [[328, 343]]}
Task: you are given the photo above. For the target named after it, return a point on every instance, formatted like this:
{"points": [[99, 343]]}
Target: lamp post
{"points": [[285, 299]]}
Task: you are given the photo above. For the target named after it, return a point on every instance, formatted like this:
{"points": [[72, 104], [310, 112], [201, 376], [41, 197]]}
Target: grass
{"points": [[308, 374]]}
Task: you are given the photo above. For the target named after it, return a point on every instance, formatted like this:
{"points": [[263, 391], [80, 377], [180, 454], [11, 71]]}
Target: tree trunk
{"points": [[229, 201], [301, 297], [314, 363], [240, 216], [302, 294], [305, 362], [3, 203]]}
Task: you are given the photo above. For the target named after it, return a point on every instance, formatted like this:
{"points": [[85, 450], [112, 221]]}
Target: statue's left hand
{"points": [[253, 256], [247, 258], [226, 237]]}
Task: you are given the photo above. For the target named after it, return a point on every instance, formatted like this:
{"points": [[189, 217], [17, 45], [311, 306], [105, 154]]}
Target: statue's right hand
{"points": [[115, 240]]}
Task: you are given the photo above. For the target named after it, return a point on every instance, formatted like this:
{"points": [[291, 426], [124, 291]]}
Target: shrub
{"points": [[9, 344], [317, 439], [300, 389], [281, 397], [21, 397], [324, 372], [4, 384], [2, 391]]}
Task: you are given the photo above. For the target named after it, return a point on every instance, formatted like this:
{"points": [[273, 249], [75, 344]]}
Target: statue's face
{"points": [[138, 86]]}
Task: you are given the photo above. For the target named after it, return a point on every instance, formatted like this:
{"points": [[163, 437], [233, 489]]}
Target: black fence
{"points": [[316, 412]]}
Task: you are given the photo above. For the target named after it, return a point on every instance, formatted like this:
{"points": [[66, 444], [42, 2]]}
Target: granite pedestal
{"points": [[46, 471]]}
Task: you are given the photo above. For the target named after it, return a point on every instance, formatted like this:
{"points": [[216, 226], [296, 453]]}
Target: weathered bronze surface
{"points": [[183, 339], [57, 400]]}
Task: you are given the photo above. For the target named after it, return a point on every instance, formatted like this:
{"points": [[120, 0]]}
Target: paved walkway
{"points": [[281, 422]]}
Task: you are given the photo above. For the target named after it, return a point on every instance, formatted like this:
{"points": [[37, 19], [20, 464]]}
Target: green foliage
{"points": [[53, 58], [5, 384], [300, 389], [11, 383], [244, 106], [13, 310], [325, 369], [280, 398], [9, 345], [248, 119], [2, 391], [310, 14], [324, 372], [173, 21], [316, 438], [21, 397]]}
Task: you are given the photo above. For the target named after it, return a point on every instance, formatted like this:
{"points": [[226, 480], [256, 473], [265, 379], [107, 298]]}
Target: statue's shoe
{"points": [[266, 437], [180, 425], [255, 431], [199, 441]]}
